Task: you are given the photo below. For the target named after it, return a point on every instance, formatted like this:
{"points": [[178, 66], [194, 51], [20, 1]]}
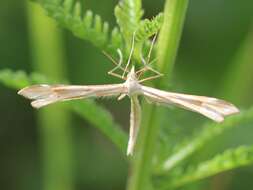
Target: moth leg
{"points": [[121, 96], [118, 65], [157, 74], [147, 67], [147, 62], [116, 75], [151, 48], [151, 78], [140, 71], [114, 61]]}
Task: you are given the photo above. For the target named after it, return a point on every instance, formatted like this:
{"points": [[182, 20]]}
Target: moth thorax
{"points": [[133, 87]]}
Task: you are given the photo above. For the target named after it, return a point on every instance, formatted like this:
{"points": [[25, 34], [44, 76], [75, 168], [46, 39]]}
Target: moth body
{"points": [[132, 84]]}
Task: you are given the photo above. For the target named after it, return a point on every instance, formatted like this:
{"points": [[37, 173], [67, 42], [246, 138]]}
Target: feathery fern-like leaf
{"points": [[88, 26], [209, 131], [101, 119], [128, 14], [147, 28], [230, 159], [88, 109], [20, 79]]}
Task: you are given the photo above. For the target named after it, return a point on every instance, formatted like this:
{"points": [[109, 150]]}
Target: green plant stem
{"points": [[54, 122], [141, 169], [170, 35]]}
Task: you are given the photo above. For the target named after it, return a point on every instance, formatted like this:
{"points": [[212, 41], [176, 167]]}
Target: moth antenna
{"points": [[130, 55]]}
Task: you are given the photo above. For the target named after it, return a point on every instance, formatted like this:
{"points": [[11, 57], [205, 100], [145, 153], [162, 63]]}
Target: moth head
{"points": [[131, 75]]}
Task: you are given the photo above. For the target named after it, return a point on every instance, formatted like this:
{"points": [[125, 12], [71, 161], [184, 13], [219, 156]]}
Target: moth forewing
{"points": [[36, 91], [43, 95], [212, 108], [135, 120]]}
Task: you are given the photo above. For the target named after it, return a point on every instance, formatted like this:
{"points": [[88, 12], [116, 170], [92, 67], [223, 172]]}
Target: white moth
{"points": [[215, 109]]}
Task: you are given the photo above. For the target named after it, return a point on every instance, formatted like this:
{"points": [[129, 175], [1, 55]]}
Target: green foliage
{"points": [[20, 79], [89, 110], [230, 159], [128, 14], [172, 174], [103, 120], [86, 26], [209, 131], [148, 28], [10, 80], [90, 27], [172, 170]]}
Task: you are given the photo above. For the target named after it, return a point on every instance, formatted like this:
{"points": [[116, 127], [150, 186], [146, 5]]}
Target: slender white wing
{"points": [[43, 95], [212, 108], [135, 120]]}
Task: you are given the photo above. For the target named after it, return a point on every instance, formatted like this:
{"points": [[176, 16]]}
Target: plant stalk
{"points": [[141, 168], [54, 121]]}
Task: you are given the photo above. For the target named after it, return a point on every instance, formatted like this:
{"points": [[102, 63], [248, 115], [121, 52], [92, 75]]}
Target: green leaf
{"points": [[102, 119], [87, 109], [230, 159], [209, 132], [147, 28], [86, 26], [128, 14], [20, 79]]}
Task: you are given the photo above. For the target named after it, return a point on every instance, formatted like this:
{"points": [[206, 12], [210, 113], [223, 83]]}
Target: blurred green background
{"points": [[216, 48]]}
